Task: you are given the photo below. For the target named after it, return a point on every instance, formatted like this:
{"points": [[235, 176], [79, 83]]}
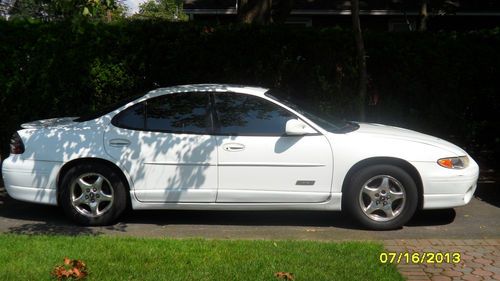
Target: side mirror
{"points": [[295, 127]]}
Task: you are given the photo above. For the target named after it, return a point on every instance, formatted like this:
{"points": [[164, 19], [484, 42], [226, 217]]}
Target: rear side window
{"points": [[186, 113], [240, 114], [131, 118], [180, 113]]}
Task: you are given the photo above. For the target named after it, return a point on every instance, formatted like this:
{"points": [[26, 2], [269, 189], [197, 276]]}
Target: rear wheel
{"points": [[92, 194], [381, 197]]}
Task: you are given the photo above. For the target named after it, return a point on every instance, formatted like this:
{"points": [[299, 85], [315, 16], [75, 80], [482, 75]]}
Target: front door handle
{"points": [[119, 142], [233, 147]]}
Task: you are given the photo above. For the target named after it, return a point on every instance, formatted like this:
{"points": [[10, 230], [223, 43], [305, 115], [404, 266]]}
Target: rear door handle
{"points": [[233, 147], [119, 142]]}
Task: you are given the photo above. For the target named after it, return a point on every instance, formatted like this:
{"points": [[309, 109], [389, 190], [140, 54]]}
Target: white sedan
{"points": [[228, 147]]}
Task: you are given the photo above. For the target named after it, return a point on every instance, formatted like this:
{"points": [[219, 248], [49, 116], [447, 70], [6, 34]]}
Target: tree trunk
{"points": [[281, 10], [254, 11], [361, 58], [423, 16]]}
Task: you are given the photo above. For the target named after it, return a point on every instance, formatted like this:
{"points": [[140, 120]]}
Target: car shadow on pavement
{"points": [[31, 219], [34, 219], [242, 218], [432, 217], [48, 228], [275, 218]]}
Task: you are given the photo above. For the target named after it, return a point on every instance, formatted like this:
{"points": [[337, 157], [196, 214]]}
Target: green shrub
{"points": [[440, 83]]}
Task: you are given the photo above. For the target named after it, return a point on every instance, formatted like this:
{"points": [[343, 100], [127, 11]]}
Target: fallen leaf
{"points": [[79, 264], [67, 273], [71, 269], [284, 275], [79, 274]]}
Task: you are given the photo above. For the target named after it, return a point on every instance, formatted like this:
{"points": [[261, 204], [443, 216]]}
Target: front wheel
{"points": [[92, 194], [381, 197]]}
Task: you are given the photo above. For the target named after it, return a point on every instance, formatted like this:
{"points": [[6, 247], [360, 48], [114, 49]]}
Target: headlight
{"points": [[454, 162]]}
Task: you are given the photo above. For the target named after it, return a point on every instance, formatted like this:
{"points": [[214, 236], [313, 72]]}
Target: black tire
{"points": [[111, 194], [398, 183]]}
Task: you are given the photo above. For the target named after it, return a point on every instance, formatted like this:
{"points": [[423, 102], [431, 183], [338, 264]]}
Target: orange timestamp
{"points": [[420, 257]]}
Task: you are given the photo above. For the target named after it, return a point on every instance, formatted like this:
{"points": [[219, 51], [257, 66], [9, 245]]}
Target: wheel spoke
{"points": [[105, 197], [384, 183], [372, 207], [98, 183], [389, 212], [396, 195], [80, 200], [94, 208], [370, 191], [83, 184]]}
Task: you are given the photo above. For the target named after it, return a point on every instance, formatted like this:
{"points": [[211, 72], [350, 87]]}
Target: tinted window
{"points": [[180, 113], [176, 113], [131, 118], [240, 114]]}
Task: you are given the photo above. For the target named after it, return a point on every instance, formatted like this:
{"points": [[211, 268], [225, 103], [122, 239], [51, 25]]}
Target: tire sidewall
{"points": [[119, 194], [359, 178]]}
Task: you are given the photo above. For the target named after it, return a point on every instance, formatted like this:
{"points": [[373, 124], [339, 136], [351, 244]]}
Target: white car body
{"points": [[196, 171]]}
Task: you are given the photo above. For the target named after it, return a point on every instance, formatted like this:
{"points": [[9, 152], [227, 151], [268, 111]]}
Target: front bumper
{"points": [[29, 180], [447, 188]]}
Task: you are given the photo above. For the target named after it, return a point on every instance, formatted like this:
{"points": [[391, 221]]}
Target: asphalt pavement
{"points": [[478, 220]]}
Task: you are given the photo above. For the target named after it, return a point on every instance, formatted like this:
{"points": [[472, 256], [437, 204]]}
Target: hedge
{"points": [[443, 83]]}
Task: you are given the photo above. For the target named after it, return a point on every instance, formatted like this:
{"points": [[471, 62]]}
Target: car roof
{"points": [[258, 91]]}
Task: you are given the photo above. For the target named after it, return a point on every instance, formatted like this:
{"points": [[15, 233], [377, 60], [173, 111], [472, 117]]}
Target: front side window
{"points": [[184, 113], [240, 114]]}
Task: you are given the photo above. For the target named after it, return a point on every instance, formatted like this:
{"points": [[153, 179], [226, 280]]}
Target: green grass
{"points": [[112, 258]]}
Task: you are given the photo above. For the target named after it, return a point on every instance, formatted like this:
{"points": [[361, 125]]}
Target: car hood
{"points": [[384, 131], [52, 122]]}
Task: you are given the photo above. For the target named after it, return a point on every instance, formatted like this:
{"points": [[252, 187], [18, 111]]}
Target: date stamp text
{"points": [[420, 257]]}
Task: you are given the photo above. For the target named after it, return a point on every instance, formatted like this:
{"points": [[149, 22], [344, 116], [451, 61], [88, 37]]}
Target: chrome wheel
{"points": [[382, 198], [91, 194]]}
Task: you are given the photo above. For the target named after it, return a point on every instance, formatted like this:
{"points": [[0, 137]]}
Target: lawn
{"points": [[112, 258]]}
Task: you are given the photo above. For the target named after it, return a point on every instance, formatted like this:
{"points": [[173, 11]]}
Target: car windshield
{"points": [[107, 109], [324, 120]]}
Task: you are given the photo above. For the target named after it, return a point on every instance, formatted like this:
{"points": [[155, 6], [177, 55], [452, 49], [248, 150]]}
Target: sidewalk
{"points": [[479, 259]]}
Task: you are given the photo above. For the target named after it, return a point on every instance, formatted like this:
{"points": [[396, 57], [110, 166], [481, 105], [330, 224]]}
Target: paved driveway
{"points": [[478, 220]]}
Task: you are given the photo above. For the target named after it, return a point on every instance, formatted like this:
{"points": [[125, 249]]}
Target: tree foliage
{"points": [[170, 10], [422, 80], [56, 10]]}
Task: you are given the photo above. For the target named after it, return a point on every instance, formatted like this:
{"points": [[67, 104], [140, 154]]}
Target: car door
{"points": [[258, 163], [164, 143]]}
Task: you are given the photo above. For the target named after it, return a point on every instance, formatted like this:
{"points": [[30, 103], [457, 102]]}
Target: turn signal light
{"points": [[454, 162]]}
